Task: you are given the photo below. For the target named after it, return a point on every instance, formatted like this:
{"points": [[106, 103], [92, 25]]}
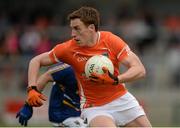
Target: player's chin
{"points": [[78, 42]]}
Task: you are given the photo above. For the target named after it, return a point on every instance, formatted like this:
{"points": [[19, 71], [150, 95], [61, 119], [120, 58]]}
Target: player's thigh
{"points": [[97, 116], [126, 116], [141, 121], [102, 121]]}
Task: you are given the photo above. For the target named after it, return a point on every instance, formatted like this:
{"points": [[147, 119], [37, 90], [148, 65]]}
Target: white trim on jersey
{"points": [[54, 56], [56, 59], [124, 48]]}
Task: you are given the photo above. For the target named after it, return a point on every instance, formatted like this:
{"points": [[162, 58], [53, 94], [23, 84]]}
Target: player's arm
{"points": [[34, 67], [24, 114], [43, 80], [55, 74], [135, 69], [35, 97], [26, 111]]}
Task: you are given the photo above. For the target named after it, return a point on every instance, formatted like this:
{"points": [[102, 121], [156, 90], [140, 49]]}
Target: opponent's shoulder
{"points": [[59, 67]]}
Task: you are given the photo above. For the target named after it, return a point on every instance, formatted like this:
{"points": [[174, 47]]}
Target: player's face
{"points": [[81, 33]]}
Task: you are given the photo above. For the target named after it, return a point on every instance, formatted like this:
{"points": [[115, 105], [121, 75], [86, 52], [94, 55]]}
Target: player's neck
{"points": [[95, 39]]}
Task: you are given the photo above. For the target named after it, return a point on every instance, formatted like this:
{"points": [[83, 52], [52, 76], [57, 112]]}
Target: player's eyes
{"points": [[78, 29]]}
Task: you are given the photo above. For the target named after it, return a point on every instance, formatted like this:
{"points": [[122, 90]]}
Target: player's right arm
{"points": [[48, 58], [35, 97], [34, 67]]}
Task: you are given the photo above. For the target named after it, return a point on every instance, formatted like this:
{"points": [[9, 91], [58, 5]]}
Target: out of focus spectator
{"points": [[12, 42], [2, 46], [4, 23], [29, 40], [150, 38], [44, 44], [172, 23]]}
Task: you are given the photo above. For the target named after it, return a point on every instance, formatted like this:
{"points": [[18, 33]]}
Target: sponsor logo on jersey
{"points": [[80, 57]]}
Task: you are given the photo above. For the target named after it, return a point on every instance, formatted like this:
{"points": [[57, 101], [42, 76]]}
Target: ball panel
{"points": [[95, 64]]}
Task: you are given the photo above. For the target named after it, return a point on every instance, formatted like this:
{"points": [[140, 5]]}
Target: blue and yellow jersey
{"points": [[64, 98]]}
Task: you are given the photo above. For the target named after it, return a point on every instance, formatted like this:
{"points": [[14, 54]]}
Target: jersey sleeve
{"points": [[59, 72], [57, 53], [119, 47]]}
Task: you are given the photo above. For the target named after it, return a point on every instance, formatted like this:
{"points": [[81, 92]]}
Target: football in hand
{"points": [[95, 64]]}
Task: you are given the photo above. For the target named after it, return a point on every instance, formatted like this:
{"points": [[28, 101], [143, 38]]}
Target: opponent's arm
{"points": [[24, 114], [57, 71], [43, 80]]}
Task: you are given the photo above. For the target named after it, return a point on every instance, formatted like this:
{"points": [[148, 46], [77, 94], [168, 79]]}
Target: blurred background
{"points": [[150, 27]]}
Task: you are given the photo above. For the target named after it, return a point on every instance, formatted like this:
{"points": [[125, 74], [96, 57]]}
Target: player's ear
{"points": [[91, 27]]}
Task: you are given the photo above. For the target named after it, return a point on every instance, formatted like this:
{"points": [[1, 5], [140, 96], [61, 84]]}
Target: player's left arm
{"points": [[125, 56], [135, 69]]}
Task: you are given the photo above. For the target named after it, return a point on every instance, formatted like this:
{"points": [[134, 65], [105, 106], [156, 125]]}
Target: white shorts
{"points": [[71, 122], [122, 110]]}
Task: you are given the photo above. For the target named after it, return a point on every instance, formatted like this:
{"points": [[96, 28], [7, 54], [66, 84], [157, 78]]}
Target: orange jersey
{"points": [[108, 44]]}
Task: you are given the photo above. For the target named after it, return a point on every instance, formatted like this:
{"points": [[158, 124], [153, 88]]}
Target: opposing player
{"points": [[64, 99], [105, 102]]}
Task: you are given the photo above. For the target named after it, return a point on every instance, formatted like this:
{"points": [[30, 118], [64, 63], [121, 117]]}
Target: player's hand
{"points": [[105, 78], [24, 114], [35, 97]]}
